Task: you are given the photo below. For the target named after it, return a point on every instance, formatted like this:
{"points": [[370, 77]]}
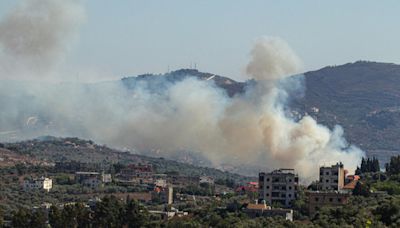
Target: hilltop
{"points": [[157, 81], [48, 150], [362, 97]]}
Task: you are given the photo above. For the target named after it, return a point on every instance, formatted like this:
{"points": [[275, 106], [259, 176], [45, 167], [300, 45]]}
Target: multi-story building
{"points": [[38, 183], [132, 171], [331, 178], [92, 179], [279, 186]]}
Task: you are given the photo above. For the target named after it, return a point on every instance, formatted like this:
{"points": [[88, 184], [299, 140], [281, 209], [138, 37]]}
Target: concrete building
{"points": [[332, 177], [142, 171], [317, 200], [92, 179], [279, 186], [38, 183]]}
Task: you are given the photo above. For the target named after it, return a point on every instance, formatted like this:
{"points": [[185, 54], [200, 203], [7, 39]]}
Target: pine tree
{"points": [[363, 165]]}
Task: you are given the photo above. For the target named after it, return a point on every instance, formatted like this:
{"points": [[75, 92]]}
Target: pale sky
{"points": [[128, 37]]}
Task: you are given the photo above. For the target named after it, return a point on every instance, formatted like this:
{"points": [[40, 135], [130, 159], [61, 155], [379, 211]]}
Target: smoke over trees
{"points": [[253, 128]]}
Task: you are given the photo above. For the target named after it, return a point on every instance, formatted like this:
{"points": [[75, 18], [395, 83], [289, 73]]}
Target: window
{"points": [[283, 188], [267, 194], [327, 181], [290, 195], [290, 180], [267, 186], [267, 179], [339, 200], [316, 199], [275, 194], [283, 195], [327, 173], [330, 199]]}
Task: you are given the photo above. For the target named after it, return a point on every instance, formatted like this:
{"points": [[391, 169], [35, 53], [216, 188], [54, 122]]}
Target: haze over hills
{"points": [[362, 97]]}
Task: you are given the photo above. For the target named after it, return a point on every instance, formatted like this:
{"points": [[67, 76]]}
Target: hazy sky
{"points": [[128, 37]]}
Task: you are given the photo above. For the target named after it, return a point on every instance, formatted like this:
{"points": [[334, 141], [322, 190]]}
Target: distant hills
{"points": [[363, 97], [48, 150]]}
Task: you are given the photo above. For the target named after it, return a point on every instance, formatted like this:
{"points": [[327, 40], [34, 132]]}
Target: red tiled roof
{"points": [[351, 185], [260, 206]]}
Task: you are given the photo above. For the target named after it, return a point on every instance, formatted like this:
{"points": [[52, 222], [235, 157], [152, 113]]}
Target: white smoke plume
{"points": [[34, 36], [249, 129], [272, 59]]}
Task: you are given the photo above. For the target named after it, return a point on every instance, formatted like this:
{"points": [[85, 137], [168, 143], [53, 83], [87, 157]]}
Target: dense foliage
{"points": [[393, 167], [368, 165]]}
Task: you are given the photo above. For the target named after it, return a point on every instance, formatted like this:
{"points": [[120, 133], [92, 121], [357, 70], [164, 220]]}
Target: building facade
{"points": [[39, 183], [332, 177], [279, 186], [92, 179]]}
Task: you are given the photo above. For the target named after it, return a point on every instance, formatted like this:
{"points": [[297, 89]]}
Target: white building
{"points": [[206, 180], [279, 186], [332, 177], [106, 177], [38, 183]]}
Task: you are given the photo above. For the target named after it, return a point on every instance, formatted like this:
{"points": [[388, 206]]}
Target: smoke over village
{"points": [[199, 114], [254, 127]]}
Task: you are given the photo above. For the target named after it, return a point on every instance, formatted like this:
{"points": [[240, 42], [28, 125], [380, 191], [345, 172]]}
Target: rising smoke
{"points": [[253, 128], [35, 35]]}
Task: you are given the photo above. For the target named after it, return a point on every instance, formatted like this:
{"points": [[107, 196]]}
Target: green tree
{"points": [[135, 215], [38, 219], [388, 212], [21, 218], [83, 215], [393, 167], [55, 219], [1, 217], [68, 216], [361, 189], [108, 213]]}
